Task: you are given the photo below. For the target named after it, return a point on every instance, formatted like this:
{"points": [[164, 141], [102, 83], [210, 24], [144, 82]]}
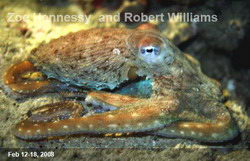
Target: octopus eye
{"points": [[150, 47], [153, 50]]}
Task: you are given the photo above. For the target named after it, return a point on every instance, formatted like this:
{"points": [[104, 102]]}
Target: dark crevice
{"points": [[240, 57]]}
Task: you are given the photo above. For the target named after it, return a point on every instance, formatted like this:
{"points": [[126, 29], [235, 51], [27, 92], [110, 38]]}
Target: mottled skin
{"points": [[183, 102]]}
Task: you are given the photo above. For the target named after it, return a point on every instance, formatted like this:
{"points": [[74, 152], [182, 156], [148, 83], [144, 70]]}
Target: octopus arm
{"points": [[133, 116], [23, 79], [223, 128]]}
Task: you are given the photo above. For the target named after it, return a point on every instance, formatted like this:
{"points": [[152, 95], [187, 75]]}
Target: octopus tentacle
{"points": [[23, 78], [222, 129], [115, 100], [50, 113], [16, 78], [136, 117], [57, 111]]}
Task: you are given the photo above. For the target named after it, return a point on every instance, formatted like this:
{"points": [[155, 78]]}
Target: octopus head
{"points": [[151, 48]]}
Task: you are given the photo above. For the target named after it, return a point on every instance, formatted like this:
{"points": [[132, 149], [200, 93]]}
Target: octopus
{"points": [[118, 82]]}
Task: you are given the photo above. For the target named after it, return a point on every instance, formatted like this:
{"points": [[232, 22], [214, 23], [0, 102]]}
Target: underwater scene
{"points": [[124, 80]]}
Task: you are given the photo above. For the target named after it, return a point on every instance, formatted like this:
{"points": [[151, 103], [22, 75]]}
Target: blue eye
{"points": [[150, 50]]}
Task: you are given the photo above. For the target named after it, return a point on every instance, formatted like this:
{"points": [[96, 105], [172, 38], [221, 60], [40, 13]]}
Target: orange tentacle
{"points": [[14, 80], [116, 100], [221, 129]]}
